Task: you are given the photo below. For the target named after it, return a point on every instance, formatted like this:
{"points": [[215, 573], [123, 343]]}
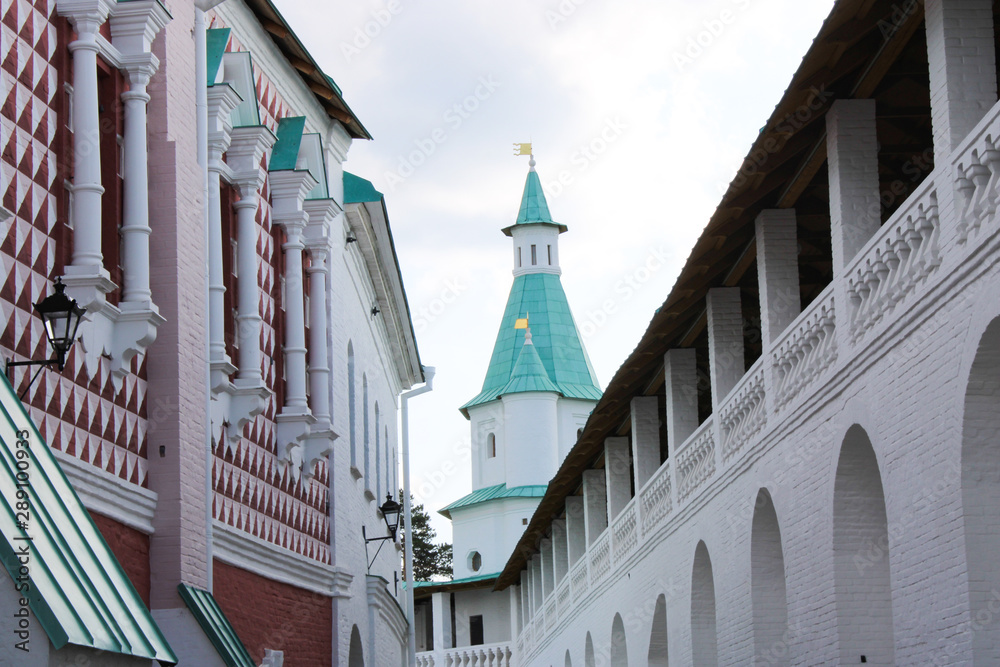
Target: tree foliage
{"points": [[429, 559]]}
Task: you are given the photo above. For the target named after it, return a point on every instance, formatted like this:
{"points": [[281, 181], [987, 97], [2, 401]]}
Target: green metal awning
{"points": [[285, 153], [77, 589], [216, 626], [494, 493], [358, 191]]}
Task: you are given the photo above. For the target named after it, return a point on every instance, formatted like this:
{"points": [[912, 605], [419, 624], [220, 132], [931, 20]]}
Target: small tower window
{"points": [[491, 446], [550, 254], [534, 256], [519, 257], [475, 561]]}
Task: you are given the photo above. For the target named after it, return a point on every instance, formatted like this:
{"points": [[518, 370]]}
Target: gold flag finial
{"points": [[521, 322], [522, 149]]}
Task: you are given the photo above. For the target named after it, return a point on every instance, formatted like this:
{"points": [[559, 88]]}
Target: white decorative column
{"points": [[548, 572], [248, 394], [288, 190], [595, 504], [617, 468], [319, 444], [645, 438], [576, 529], [725, 341], [86, 278], [441, 612], [560, 552], [777, 271]]}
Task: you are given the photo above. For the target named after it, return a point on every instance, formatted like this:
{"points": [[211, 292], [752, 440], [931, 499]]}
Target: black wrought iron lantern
{"points": [[61, 316], [390, 512]]}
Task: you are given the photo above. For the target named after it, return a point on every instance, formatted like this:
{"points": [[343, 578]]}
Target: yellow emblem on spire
{"points": [[522, 149], [521, 322]]}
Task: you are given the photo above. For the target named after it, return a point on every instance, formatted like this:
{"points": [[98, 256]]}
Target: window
{"points": [[378, 455], [230, 261], [110, 86], [476, 630], [519, 257], [364, 427], [549, 248], [475, 561], [491, 446], [534, 256], [524, 521], [351, 409]]}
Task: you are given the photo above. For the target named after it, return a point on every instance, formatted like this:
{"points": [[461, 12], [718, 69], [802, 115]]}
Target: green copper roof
{"points": [[452, 582], [534, 209], [216, 626], [285, 154], [77, 590], [541, 298], [357, 190], [215, 42], [494, 493], [529, 372]]}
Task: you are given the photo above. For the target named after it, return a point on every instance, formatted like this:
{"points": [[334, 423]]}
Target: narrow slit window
{"points": [[519, 258], [534, 256], [549, 248]]}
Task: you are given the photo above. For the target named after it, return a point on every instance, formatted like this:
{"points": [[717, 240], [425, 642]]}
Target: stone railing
{"points": [[484, 655], [901, 254], [743, 415], [579, 578], [600, 557], [976, 166], [550, 614], [696, 459], [655, 498], [562, 596], [624, 533], [805, 349]]}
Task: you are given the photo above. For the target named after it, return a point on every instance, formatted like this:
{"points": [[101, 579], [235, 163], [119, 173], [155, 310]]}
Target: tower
{"points": [[538, 392]]}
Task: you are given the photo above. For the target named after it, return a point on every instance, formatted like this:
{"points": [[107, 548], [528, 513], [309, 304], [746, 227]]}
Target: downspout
{"points": [[411, 635]]}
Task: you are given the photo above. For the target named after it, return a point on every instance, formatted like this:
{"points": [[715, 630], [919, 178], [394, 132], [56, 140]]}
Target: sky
{"points": [[639, 113]]}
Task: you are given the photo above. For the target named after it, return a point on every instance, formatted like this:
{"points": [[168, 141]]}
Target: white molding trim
{"points": [[109, 495], [238, 548], [391, 613]]}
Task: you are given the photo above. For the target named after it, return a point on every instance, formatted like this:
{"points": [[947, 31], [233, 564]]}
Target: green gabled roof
{"points": [[78, 591], [529, 372], [285, 153], [454, 582], [358, 191], [494, 493], [216, 626], [541, 298], [534, 208], [215, 43]]}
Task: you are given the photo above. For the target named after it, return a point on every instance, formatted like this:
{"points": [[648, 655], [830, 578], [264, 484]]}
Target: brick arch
{"points": [[658, 653], [980, 464], [861, 555], [619, 644], [767, 584], [704, 640]]}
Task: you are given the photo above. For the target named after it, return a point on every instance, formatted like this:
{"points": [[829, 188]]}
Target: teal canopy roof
{"points": [[494, 493], [534, 209], [216, 626], [556, 340], [77, 589], [529, 372], [358, 191], [285, 153], [215, 43]]}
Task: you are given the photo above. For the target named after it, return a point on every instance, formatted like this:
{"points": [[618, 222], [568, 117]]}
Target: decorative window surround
{"points": [[288, 190], [107, 495], [236, 547], [236, 403], [319, 444], [116, 333]]}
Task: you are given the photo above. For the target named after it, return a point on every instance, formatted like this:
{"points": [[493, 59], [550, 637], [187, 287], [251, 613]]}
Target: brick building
{"points": [[227, 419], [797, 465]]}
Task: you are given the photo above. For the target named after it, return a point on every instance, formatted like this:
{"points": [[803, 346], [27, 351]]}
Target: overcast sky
{"points": [[644, 109]]}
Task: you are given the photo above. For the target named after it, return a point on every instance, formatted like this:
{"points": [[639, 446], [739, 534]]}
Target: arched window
{"points": [[378, 456], [491, 446], [364, 416], [390, 481], [619, 648], [861, 555], [588, 652], [767, 583], [351, 408], [356, 655], [704, 641], [658, 635], [981, 492]]}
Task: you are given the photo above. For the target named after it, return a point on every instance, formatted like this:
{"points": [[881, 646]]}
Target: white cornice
{"points": [[389, 609], [109, 495], [270, 561]]}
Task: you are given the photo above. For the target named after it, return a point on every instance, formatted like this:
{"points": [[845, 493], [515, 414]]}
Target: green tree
{"points": [[429, 559]]}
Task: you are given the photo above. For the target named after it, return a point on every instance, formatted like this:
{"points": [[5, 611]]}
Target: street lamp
{"points": [[61, 316], [390, 513]]}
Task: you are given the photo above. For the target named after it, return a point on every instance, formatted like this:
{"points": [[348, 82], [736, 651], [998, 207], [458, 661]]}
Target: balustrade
{"points": [[744, 414], [696, 459]]}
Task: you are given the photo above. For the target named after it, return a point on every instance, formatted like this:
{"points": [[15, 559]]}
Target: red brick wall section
{"points": [[268, 614], [131, 548]]}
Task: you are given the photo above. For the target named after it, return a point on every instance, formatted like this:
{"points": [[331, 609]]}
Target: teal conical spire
{"points": [[529, 372], [534, 208]]}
